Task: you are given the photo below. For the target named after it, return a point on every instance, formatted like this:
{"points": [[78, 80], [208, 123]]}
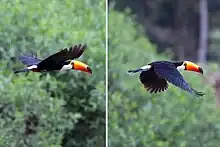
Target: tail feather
{"points": [[21, 70], [135, 70]]}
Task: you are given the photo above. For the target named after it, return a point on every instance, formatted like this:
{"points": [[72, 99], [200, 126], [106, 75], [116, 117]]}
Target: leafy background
{"points": [[140, 119], [58, 109]]}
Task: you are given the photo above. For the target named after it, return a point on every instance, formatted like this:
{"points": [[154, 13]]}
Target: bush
{"points": [[56, 109]]}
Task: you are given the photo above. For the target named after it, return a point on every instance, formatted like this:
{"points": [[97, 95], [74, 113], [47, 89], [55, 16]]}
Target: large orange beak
{"points": [[77, 65], [192, 67]]}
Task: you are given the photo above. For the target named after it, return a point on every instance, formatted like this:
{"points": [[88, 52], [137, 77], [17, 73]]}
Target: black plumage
{"points": [[53, 62], [155, 78], [57, 60]]}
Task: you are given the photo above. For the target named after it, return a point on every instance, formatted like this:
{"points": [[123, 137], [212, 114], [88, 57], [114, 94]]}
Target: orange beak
{"points": [[193, 67], [77, 65]]}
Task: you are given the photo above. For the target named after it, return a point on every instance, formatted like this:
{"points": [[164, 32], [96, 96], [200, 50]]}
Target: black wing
{"points": [[171, 74], [56, 60], [29, 60], [152, 82]]}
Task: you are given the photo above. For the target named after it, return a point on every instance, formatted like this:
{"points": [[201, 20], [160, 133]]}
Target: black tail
{"points": [[135, 70], [21, 70]]}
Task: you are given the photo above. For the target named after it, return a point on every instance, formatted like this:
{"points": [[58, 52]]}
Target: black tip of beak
{"points": [[89, 70], [200, 70]]}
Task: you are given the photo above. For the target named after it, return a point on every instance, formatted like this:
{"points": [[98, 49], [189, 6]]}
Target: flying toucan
{"points": [[60, 61], [155, 75]]}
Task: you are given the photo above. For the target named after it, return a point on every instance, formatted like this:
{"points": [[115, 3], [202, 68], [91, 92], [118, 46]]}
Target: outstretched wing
{"points": [[71, 53], [152, 82], [29, 60], [57, 59], [172, 75]]}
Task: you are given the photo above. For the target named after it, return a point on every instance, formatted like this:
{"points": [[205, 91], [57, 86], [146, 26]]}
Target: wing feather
{"points": [[29, 60], [152, 82], [56, 60], [172, 75]]}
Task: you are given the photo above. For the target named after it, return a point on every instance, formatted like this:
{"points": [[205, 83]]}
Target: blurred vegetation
{"points": [[58, 109], [139, 119], [172, 23]]}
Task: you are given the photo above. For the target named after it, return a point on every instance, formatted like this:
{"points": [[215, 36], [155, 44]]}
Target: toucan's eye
{"points": [[184, 64]]}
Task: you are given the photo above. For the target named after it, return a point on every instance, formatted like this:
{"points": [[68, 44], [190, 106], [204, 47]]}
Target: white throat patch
{"points": [[182, 67], [66, 67]]}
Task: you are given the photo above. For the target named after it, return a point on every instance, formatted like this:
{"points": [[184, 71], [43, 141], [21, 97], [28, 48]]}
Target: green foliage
{"points": [[140, 119], [56, 109]]}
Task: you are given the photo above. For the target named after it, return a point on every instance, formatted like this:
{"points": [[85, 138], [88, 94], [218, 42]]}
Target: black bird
{"points": [[155, 75], [60, 61]]}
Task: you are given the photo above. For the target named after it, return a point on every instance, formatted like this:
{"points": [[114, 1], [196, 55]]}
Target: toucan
{"points": [[156, 75], [60, 61]]}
